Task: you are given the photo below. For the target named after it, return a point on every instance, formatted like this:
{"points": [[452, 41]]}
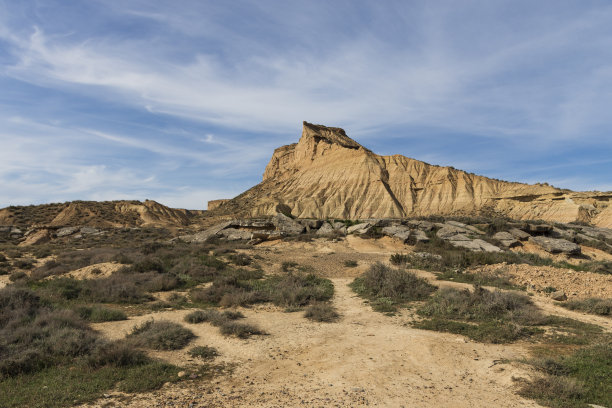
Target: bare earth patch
{"points": [[364, 359]]}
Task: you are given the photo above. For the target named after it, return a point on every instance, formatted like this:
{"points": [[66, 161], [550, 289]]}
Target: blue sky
{"points": [[184, 101]]}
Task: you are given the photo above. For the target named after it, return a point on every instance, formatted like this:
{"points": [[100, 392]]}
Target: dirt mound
{"points": [[328, 175], [548, 279]]}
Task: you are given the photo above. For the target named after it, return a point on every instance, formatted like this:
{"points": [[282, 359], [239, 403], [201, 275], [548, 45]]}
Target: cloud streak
{"points": [[210, 88]]}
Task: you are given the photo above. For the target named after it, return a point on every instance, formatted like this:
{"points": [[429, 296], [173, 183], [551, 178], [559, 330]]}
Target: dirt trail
{"points": [[364, 359]]}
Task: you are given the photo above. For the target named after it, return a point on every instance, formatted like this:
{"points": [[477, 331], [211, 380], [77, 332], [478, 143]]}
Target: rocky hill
{"points": [[329, 175], [100, 214]]}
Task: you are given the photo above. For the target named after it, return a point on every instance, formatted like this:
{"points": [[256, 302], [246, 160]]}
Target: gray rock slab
{"points": [[555, 246]]}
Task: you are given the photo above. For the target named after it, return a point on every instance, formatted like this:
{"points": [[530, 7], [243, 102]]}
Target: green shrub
{"points": [[399, 259], [321, 312], [240, 330], [161, 335], [204, 352], [23, 263], [97, 314], [392, 286], [118, 354], [240, 259], [596, 306], [350, 263], [574, 381], [16, 276]]}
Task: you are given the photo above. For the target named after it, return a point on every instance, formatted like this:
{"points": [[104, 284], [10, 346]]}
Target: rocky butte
{"points": [[329, 175]]}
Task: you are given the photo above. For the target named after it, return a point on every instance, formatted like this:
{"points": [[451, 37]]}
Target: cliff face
{"points": [[328, 175]]}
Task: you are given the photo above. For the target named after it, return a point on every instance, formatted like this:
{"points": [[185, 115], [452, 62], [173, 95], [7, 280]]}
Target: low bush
{"points": [[97, 314], [161, 335], [388, 287], [24, 263], [226, 321], [321, 312], [17, 276], [596, 306], [499, 317], [240, 330], [240, 259], [399, 259], [118, 354], [204, 352], [351, 263]]}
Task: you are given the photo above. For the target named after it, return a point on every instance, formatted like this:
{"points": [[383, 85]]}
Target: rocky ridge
{"points": [[328, 175]]}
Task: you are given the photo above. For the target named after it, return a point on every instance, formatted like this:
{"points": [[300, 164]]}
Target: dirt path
{"points": [[364, 359]]}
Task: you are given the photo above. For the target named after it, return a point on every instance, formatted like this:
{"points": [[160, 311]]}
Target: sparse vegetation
{"points": [[98, 314], [321, 312], [226, 321], [596, 306], [576, 380], [50, 357], [387, 287], [496, 279], [482, 315], [161, 335], [351, 263], [204, 352]]}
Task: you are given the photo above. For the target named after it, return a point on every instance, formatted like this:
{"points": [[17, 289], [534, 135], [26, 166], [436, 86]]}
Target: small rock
{"points": [[181, 374], [558, 296]]}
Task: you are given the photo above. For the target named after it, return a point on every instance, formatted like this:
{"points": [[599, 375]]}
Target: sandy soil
{"points": [[95, 271], [364, 359], [576, 285], [4, 280]]}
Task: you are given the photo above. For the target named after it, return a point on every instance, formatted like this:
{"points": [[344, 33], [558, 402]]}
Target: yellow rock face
{"points": [[328, 175]]}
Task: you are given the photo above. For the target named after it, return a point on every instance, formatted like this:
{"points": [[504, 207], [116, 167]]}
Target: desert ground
{"points": [[365, 358]]}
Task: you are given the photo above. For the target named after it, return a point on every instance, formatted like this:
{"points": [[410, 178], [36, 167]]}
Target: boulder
{"points": [[395, 229], [477, 245], [203, 236], [64, 232], [266, 235], [253, 223], [311, 224], [449, 231], [506, 239], [464, 227], [235, 234], [325, 229], [518, 234], [380, 222], [362, 228], [287, 225], [537, 228], [558, 296], [38, 237], [419, 236], [561, 233], [338, 225], [420, 224], [555, 246], [89, 230]]}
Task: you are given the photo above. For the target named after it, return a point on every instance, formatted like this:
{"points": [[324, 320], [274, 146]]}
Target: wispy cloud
{"points": [[204, 91]]}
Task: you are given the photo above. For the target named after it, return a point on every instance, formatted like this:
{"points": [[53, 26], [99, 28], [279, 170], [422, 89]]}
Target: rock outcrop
{"points": [[328, 175]]}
